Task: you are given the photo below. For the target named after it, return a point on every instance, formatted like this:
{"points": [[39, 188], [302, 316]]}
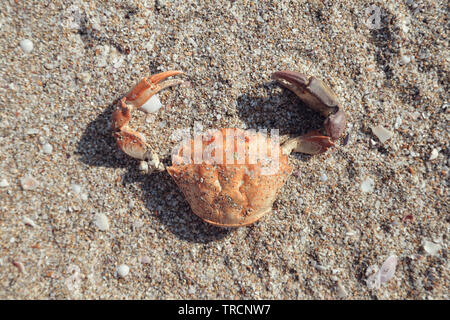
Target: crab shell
{"points": [[236, 192]]}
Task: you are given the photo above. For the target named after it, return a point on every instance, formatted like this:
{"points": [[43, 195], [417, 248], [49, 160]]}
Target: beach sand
{"points": [[74, 208]]}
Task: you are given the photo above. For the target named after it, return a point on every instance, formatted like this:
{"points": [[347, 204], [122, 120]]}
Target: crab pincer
{"points": [[132, 142], [317, 96]]}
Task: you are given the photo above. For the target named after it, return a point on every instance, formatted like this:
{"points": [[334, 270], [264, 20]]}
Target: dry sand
{"points": [[90, 215]]}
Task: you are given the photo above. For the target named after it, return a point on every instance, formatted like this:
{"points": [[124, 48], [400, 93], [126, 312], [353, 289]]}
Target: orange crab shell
{"points": [[230, 194]]}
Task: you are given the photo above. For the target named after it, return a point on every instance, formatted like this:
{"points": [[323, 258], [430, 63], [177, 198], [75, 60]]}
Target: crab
{"points": [[223, 174]]}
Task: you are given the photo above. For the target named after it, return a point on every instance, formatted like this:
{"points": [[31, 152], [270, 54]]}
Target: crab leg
{"points": [[129, 141], [320, 98]]}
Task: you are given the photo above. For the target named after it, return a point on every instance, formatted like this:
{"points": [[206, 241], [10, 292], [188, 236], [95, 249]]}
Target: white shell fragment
{"points": [[143, 166], [145, 260], [101, 221], [26, 45], [434, 154], [29, 183], [29, 222], [431, 248], [32, 131], [76, 188], [387, 270], [382, 133], [368, 185], [4, 183], [47, 148], [405, 60], [123, 270], [340, 290], [383, 275], [373, 282], [152, 105], [85, 77]]}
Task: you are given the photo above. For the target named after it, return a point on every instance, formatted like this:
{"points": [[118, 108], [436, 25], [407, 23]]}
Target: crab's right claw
{"points": [[318, 97]]}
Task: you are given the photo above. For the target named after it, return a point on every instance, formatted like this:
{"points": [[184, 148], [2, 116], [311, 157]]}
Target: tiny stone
{"points": [[382, 133], [323, 177], [434, 154], [26, 45], [101, 221], [4, 183], [47, 148], [123, 270], [368, 185], [84, 196], [29, 183]]}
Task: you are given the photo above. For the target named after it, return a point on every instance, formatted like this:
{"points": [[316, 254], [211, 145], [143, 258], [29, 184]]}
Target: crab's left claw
{"points": [[321, 99], [132, 142]]}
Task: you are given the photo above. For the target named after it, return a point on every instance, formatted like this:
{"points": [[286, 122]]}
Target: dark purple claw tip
{"points": [[291, 77]]}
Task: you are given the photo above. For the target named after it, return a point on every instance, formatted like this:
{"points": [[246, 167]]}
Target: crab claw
{"points": [[129, 141], [320, 98]]}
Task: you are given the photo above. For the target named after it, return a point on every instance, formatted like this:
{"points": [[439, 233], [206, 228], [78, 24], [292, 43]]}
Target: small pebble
{"points": [[368, 185], [4, 183], [26, 45], [434, 154], [47, 148], [101, 221], [123, 270], [84, 196], [29, 183], [382, 133]]}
